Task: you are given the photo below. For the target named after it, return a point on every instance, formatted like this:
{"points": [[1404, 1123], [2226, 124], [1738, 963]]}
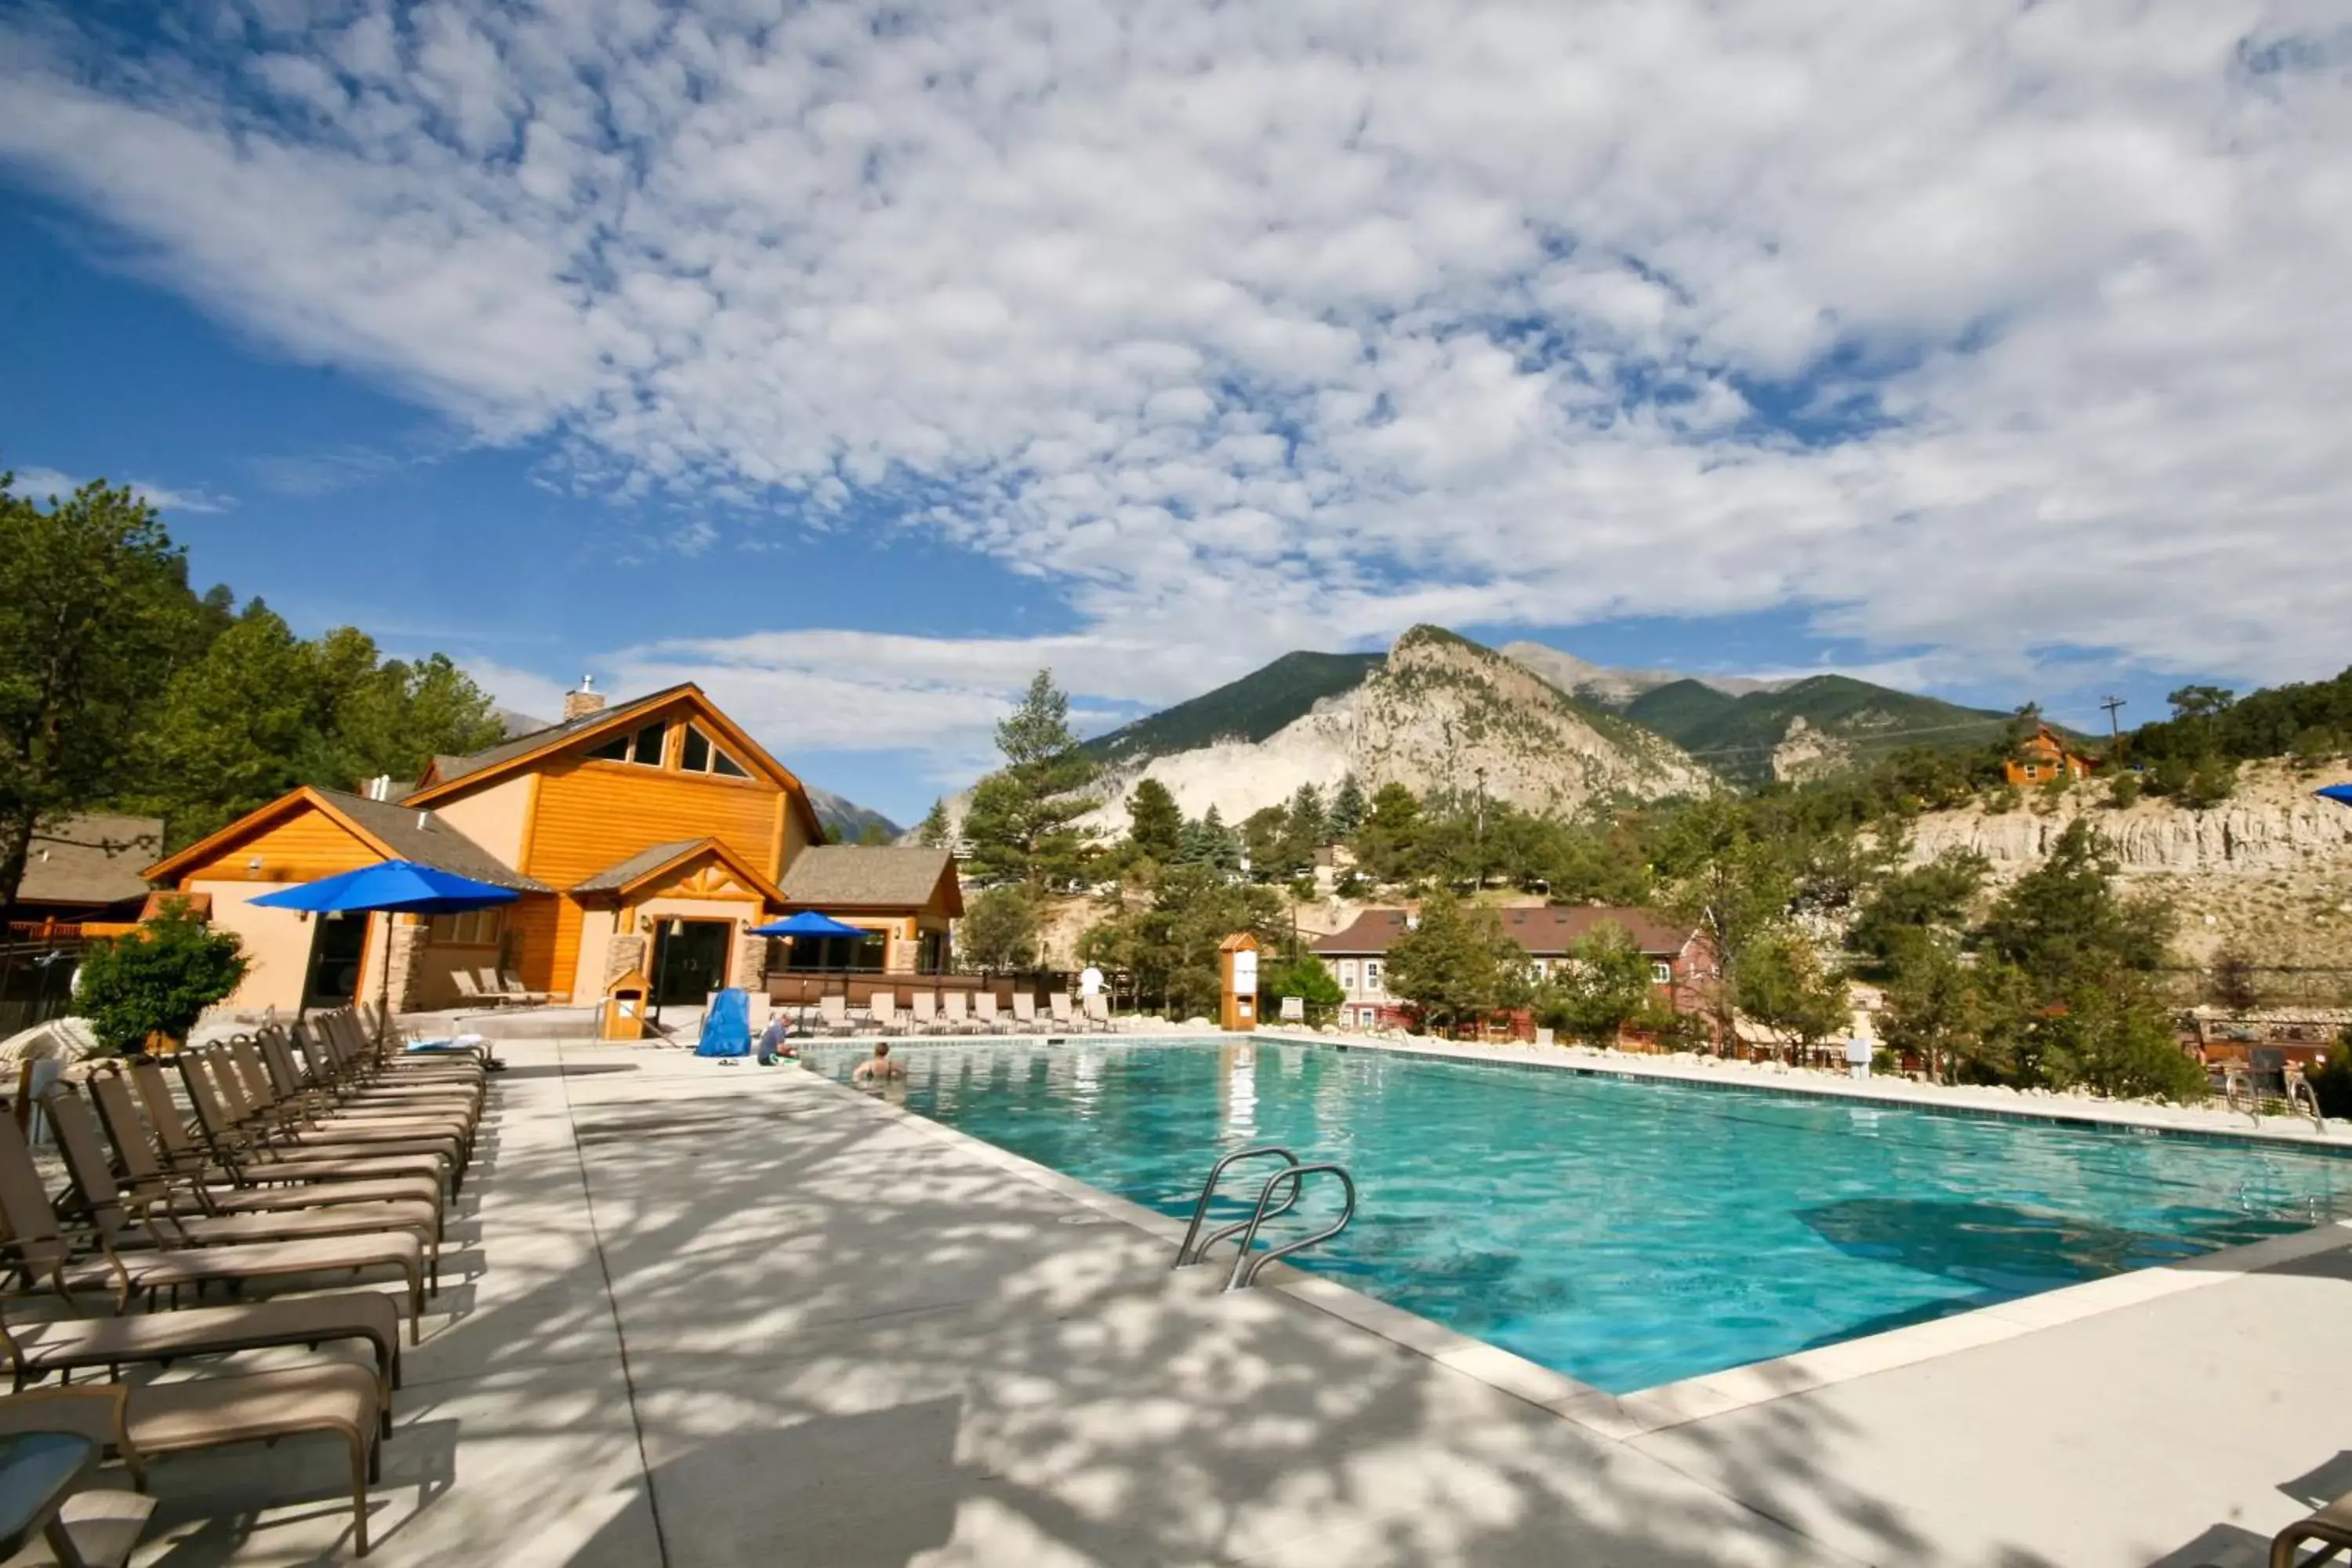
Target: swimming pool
{"points": [[1626, 1232]]}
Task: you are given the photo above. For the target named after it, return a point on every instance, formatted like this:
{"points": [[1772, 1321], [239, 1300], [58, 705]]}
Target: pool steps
{"points": [[1292, 1180]]}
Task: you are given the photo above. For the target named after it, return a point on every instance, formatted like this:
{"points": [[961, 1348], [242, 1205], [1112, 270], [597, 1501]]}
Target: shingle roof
{"points": [[858, 876], [423, 837], [1545, 933], [446, 768], [634, 866], [92, 859]]}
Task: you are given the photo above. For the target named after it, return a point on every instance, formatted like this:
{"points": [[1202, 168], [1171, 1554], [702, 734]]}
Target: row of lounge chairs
{"points": [[310, 1155], [493, 987], [962, 1012]]}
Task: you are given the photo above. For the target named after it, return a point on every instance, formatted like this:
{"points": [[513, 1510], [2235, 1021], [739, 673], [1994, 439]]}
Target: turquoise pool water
{"points": [[1627, 1232]]}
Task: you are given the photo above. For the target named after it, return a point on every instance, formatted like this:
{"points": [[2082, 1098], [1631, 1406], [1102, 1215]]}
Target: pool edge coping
{"points": [[1623, 1417]]}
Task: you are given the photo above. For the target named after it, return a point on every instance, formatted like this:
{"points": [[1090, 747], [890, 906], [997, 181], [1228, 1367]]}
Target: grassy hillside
{"points": [[1736, 735], [1250, 709]]}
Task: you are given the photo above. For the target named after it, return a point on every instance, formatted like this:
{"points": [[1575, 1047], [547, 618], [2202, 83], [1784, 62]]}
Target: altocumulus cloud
{"points": [[1986, 333]]}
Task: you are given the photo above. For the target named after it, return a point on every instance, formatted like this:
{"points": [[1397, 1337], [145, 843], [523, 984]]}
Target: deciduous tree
{"points": [[1457, 963]]}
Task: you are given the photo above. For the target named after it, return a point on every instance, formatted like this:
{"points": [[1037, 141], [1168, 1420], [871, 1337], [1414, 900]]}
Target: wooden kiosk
{"points": [[1237, 974]]}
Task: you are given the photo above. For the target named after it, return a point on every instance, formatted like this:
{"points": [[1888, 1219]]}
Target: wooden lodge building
{"points": [[646, 839], [2042, 757]]}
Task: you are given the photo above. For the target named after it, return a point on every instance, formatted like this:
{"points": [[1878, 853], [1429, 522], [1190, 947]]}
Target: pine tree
{"points": [[935, 832], [1346, 813], [1155, 824], [1022, 823]]}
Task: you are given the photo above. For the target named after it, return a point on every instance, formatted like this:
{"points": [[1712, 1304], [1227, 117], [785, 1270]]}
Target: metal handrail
{"points": [[1186, 1253], [1245, 1267]]}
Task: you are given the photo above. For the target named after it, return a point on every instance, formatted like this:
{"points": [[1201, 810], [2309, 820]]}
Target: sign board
{"points": [[1245, 973], [1294, 1009]]}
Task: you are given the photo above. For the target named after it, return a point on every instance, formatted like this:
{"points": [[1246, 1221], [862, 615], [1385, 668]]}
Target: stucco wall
{"points": [[277, 943], [494, 817], [590, 973]]}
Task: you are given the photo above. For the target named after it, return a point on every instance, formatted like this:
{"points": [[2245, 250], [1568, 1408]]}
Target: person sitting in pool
{"points": [[879, 1067]]}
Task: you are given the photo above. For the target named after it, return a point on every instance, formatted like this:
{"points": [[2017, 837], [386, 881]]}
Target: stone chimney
{"points": [[586, 701]]}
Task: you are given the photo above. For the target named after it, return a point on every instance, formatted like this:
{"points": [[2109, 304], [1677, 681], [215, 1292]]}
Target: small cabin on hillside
{"points": [[646, 838], [2042, 757]]}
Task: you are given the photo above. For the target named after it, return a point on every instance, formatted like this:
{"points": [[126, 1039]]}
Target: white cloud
{"points": [[1263, 327], [43, 484], [518, 691]]}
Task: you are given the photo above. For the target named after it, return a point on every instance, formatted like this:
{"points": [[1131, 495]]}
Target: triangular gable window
{"points": [[643, 748], [700, 756]]}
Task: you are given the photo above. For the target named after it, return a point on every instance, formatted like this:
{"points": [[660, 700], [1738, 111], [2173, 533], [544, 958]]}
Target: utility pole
{"points": [[2114, 727]]}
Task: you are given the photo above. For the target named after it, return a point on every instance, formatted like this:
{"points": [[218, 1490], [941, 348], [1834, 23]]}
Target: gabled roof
{"points": [[828, 877], [90, 859], [646, 865], [396, 832], [1545, 932], [446, 776]]}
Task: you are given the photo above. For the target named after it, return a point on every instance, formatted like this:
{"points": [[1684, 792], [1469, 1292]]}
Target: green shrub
{"points": [[2123, 791], [2331, 1079], [158, 979], [2001, 802]]}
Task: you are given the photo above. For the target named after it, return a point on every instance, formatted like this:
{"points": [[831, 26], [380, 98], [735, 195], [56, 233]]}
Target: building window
{"points": [[1347, 974], [698, 756], [475, 928], [1661, 971], [1372, 975], [643, 748]]}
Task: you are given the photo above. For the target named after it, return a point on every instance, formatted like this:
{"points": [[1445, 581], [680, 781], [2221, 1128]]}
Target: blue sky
{"points": [[858, 371]]}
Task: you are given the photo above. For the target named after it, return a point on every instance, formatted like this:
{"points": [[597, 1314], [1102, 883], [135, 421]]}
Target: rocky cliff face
{"points": [[2273, 823], [1437, 713]]}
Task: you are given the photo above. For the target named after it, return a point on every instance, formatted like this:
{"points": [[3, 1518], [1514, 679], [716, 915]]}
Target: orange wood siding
{"points": [[591, 816], [302, 848], [532, 925]]}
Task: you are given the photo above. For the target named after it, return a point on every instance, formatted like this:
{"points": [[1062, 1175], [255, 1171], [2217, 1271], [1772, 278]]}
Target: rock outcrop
{"points": [[2273, 823], [1438, 714]]}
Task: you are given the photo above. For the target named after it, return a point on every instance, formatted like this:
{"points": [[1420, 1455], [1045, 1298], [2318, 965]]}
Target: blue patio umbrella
{"points": [[390, 887], [2340, 794], [809, 923]]}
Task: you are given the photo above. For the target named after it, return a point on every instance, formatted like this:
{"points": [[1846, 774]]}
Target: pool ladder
{"points": [[1292, 1180]]}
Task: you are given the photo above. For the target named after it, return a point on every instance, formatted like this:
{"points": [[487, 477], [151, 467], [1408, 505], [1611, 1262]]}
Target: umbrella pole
{"points": [[383, 992]]}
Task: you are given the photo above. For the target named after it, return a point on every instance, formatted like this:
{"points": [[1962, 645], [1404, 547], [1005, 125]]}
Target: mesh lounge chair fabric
{"points": [[832, 1015], [141, 1163], [927, 1013], [246, 1161], [100, 1527], [330, 1398], [985, 1013], [1025, 1010], [222, 1107], [955, 1019], [48, 1252], [883, 1008], [1059, 1002], [1097, 1013], [297, 1107], [368, 1318], [119, 1212]]}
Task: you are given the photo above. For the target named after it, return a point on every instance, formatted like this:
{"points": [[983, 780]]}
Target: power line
{"points": [[2114, 727]]}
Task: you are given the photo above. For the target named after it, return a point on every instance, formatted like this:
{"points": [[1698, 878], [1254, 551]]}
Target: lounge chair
{"points": [[98, 1529], [882, 1007], [133, 1234], [89, 1257], [256, 1155], [509, 986], [927, 1013], [954, 1016], [296, 1116], [144, 1423], [351, 1058], [833, 1016], [1097, 1013], [2329, 1525], [63, 1346], [1059, 1002], [320, 1074], [470, 989], [986, 1017], [196, 1150], [1025, 1013], [144, 1172], [115, 1206]]}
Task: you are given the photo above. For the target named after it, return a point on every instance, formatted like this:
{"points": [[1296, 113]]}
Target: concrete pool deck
{"points": [[728, 1315]]}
